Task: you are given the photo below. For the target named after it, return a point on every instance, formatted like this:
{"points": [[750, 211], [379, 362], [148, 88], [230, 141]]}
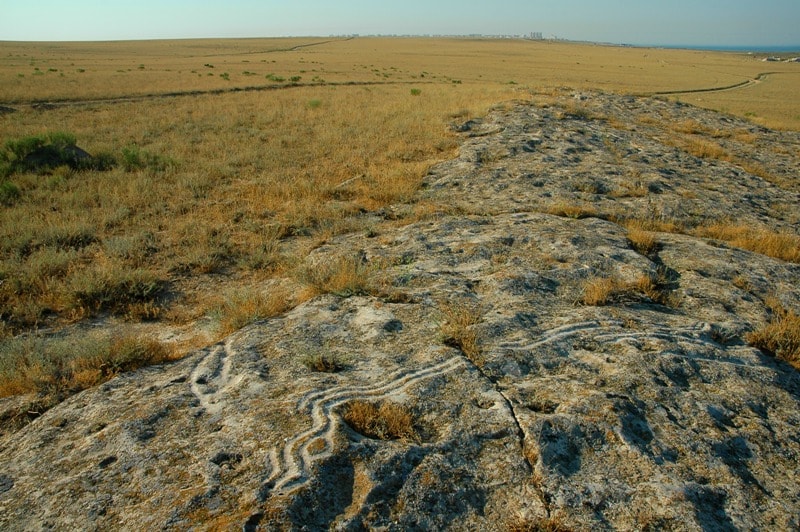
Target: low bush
{"points": [[9, 193], [43, 153]]}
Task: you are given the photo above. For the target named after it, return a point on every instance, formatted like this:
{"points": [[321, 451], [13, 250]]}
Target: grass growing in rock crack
{"points": [[643, 242], [324, 362], [780, 337], [776, 244], [655, 286], [570, 210], [458, 329], [384, 421]]}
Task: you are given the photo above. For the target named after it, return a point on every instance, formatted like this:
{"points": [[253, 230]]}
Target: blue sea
{"points": [[753, 49]]}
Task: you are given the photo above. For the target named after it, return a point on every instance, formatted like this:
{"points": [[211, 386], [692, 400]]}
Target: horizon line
{"points": [[709, 46]]}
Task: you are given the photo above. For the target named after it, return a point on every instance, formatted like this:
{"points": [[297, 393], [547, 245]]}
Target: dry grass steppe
{"points": [[440, 284], [235, 158]]}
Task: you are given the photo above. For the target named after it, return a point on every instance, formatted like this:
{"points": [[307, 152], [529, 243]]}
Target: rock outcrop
{"points": [[528, 405]]}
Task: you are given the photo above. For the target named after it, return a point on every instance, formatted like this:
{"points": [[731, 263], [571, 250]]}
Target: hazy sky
{"points": [[678, 22]]}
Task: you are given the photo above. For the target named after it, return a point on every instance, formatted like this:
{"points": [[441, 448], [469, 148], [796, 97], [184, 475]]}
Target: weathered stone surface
{"points": [[633, 415]]}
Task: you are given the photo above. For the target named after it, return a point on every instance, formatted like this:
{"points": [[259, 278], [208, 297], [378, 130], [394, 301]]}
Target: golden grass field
{"points": [[235, 157]]}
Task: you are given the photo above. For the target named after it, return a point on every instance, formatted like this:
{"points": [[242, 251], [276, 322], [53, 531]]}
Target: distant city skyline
{"points": [[712, 23]]}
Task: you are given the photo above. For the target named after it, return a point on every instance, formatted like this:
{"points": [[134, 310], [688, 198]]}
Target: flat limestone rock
{"points": [[638, 414]]}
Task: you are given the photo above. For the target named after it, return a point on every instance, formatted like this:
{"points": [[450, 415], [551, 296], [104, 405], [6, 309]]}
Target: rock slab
{"points": [[633, 415]]}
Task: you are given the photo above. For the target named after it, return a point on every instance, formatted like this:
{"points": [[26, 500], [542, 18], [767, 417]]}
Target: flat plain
{"points": [[535, 280], [230, 159]]}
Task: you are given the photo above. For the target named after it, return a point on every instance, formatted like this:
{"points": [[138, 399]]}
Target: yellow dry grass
{"points": [[781, 336], [601, 291], [643, 242], [777, 244], [383, 421], [241, 155], [458, 329]]}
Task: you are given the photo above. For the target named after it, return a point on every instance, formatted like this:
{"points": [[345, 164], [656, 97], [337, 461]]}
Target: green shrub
{"points": [[43, 153], [9, 193], [416, 92]]}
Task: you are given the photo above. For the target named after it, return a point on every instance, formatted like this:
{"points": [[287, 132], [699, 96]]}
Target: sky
{"points": [[654, 22]]}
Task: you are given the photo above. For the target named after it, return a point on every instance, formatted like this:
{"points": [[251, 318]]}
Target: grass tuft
{"points": [[243, 307], [323, 362], [569, 210], [657, 287], [643, 242], [780, 337], [346, 276], [383, 421], [458, 330], [599, 291]]}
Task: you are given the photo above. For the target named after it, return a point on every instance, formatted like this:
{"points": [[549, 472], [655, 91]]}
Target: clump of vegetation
{"points": [[243, 307], [325, 362], [93, 290], [383, 421], [9, 193], [275, 78], [657, 287], [599, 291], [781, 336], [58, 367], [458, 330], [416, 92], [779, 245], [43, 153], [570, 210], [643, 242], [346, 276]]}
